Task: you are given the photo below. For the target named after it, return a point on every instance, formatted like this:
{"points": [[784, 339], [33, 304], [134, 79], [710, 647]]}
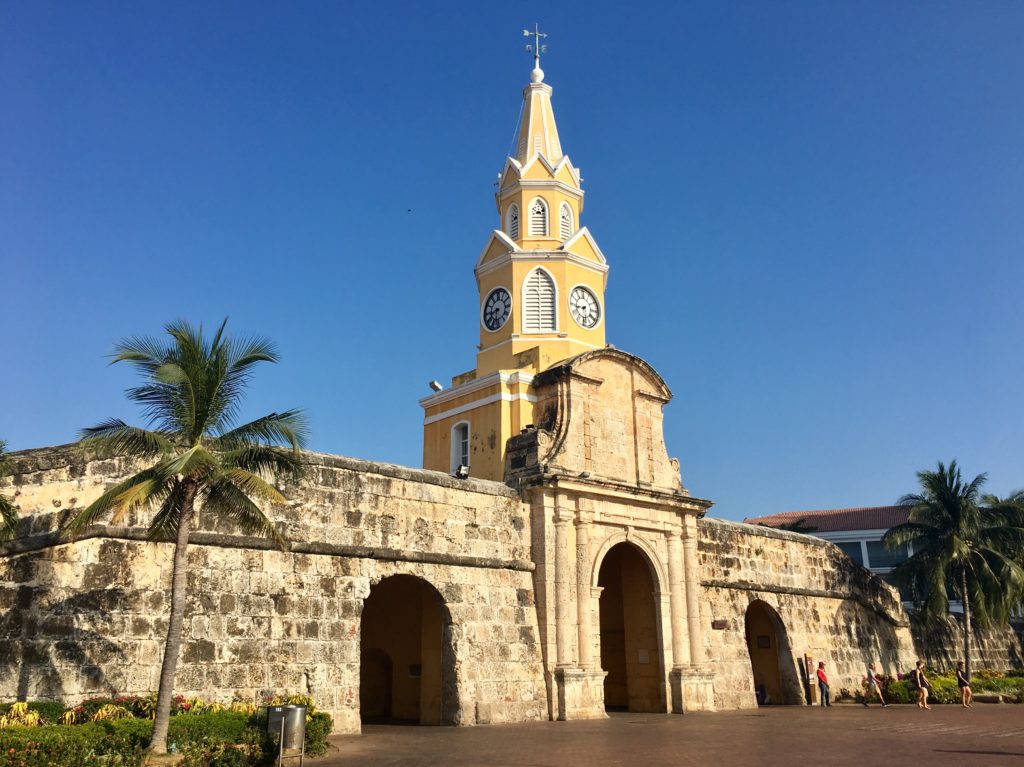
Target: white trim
{"points": [[551, 184], [483, 303], [540, 255], [505, 240], [564, 206], [555, 298], [508, 221], [600, 306], [497, 377], [503, 396], [452, 453], [546, 234], [585, 233], [533, 338]]}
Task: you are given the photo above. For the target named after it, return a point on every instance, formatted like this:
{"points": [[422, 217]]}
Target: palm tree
{"points": [[8, 511], [965, 543], [197, 459]]}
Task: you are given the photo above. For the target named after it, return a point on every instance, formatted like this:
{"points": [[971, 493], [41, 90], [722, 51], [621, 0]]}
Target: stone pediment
{"points": [[599, 415]]}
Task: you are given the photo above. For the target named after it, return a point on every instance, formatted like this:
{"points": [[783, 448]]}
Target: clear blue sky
{"points": [[813, 212]]}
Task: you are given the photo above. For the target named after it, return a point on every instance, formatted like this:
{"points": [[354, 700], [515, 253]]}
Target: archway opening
{"points": [[771, 659], [406, 662], [629, 632]]}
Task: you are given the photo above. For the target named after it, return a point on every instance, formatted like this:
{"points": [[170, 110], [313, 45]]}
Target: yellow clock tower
{"points": [[541, 278]]}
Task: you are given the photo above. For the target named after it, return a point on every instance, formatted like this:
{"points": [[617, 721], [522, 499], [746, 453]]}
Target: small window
{"points": [[539, 303], [881, 557], [513, 221], [565, 221], [460, 445], [853, 551], [538, 218]]}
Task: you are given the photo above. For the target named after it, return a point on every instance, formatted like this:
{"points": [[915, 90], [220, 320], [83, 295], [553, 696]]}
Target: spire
{"points": [[537, 130]]}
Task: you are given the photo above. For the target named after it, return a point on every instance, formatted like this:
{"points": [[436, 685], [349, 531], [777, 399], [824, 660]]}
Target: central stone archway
{"points": [[406, 659], [630, 646]]}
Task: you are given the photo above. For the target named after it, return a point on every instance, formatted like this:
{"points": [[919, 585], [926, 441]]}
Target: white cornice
{"points": [[503, 238], [506, 379], [585, 234], [534, 184], [503, 396], [540, 255]]}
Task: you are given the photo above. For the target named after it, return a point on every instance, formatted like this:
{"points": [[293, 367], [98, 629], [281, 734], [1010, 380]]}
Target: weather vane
{"points": [[536, 48]]}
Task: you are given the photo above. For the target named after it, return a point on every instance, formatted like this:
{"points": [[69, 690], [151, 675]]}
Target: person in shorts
{"points": [[964, 684], [874, 687], [921, 682]]}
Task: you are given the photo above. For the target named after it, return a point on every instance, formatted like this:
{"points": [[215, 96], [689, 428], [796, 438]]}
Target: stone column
{"points": [[583, 602], [563, 582], [677, 606], [692, 579]]}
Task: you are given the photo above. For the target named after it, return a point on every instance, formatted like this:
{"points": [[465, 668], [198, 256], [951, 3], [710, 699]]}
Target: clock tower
{"points": [[541, 279]]}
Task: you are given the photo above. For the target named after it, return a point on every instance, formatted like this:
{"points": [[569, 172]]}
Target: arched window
{"points": [[460, 445], [565, 221], [539, 303], [538, 218], [513, 221]]}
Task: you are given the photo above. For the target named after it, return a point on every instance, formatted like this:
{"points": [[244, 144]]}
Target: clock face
{"points": [[584, 307], [497, 308]]}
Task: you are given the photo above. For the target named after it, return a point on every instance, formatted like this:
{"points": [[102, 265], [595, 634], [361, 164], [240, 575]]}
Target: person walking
{"points": [[965, 685], [823, 684], [921, 682], [874, 687]]}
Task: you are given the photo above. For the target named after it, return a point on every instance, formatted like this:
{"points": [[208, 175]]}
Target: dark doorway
{"points": [[406, 668], [771, 659], [630, 653]]}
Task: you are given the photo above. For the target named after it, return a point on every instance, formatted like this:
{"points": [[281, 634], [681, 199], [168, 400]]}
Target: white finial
{"points": [[537, 75]]}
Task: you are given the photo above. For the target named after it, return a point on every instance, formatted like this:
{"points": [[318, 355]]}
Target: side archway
{"points": [[631, 653], [406, 659], [771, 658]]}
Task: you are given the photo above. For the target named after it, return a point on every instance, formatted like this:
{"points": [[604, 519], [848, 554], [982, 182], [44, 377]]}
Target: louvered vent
{"points": [[513, 222], [538, 218], [539, 303], [565, 222], [538, 144]]}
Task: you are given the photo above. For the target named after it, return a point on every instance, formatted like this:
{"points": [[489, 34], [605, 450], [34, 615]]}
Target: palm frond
{"points": [[164, 526], [289, 428], [122, 439], [139, 490], [8, 518], [266, 461], [227, 500]]}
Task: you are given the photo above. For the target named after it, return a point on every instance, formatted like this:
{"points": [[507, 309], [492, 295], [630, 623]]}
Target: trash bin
{"points": [[289, 723]]}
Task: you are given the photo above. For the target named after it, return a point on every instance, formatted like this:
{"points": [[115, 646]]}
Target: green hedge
{"points": [[945, 690], [221, 739]]}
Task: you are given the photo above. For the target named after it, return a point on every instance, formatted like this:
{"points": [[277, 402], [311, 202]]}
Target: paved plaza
{"points": [[990, 735]]}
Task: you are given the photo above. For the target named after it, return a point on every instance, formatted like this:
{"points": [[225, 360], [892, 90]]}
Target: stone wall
{"points": [[88, 616], [825, 605]]}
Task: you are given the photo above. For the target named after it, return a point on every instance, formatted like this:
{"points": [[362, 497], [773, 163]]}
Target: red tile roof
{"points": [[834, 520]]}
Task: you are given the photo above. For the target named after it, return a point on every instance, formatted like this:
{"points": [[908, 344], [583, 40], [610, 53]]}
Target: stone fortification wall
{"points": [[821, 602], [88, 616], [994, 648]]}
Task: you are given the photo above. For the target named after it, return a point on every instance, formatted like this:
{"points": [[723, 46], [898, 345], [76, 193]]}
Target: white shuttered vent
{"points": [[539, 303], [566, 222], [538, 218], [513, 222]]}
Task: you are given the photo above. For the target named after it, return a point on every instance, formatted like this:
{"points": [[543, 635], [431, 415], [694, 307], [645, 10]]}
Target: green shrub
{"points": [[318, 727], [54, 745], [900, 692]]}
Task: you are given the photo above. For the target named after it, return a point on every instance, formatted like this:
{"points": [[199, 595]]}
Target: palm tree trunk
{"points": [[967, 622], [172, 647]]}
